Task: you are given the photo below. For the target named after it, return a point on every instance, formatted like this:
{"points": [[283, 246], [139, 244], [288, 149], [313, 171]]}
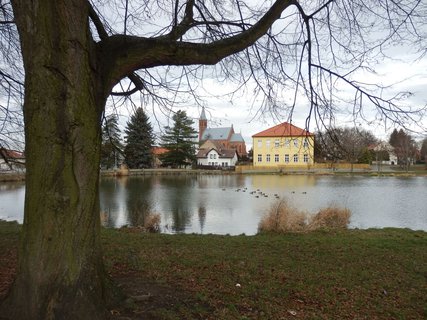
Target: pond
{"points": [[225, 204]]}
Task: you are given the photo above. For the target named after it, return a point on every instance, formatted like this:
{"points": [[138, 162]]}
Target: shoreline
{"points": [[20, 177]]}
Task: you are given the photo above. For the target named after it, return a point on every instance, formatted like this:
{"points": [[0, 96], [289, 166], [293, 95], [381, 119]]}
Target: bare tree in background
{"points": [[77, 53], [347, 144]]}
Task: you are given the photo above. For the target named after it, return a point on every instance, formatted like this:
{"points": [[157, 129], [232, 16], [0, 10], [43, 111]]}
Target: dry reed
{"points": [[331, 217], [152, 222], [283, 217]]}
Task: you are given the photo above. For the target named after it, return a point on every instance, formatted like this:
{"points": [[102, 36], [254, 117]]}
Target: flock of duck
{"points": [[258, 193]]}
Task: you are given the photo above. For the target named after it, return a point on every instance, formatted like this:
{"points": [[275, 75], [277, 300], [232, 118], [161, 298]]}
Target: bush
{"points": [[331, 217], [152, 222], [282, 217]]}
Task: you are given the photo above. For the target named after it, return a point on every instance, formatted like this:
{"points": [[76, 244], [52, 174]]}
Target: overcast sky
{"points": [[404, 69], [404, 72]]}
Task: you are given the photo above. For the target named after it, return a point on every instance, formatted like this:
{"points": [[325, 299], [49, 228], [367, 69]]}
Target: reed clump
{"points": [[283, 217], [152, 222], [331, 217]]}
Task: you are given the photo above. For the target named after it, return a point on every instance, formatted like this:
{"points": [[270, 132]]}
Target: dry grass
{"points": [[152, 222], [331, 217], [283, 217]]}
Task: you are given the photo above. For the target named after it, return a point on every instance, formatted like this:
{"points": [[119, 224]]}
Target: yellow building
{"points": [[283, 145]]}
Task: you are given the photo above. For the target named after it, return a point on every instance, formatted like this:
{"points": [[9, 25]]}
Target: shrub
{"points": [[282, 217], [331, 217], [152, 222]]}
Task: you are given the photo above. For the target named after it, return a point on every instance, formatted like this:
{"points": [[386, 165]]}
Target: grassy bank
{"points": [[373, 274]]}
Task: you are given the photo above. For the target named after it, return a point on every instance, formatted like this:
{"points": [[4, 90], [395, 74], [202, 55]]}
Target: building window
{"points": [[287, 143], [295, 158], [287, 158], [306, 158], [268, 158], [276, 143], [211, 156], [260, 158], [296, 143], [305, 143], [214, 156], [267, 143], [259, 143], [276, 158]]}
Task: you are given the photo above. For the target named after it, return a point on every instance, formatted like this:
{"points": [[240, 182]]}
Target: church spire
{"points": [[203, 123], [203, 114]]}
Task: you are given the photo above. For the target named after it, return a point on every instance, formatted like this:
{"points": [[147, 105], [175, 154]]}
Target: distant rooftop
{"points": [[216, 133], [284, 129], [237, 137]]}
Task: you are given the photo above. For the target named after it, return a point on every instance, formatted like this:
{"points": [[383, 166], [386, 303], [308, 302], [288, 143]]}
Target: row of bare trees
{"points": [[356, 145]]}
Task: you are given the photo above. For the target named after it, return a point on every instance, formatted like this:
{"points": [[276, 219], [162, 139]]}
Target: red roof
{"points": [[11, 154], [159, 150], [284, 129]]}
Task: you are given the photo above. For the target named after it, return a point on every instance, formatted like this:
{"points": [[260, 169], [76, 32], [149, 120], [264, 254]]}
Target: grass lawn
{"points": [[372, 274]]}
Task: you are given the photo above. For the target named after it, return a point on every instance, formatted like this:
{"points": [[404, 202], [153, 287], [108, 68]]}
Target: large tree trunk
{"points": [[60, 271]]}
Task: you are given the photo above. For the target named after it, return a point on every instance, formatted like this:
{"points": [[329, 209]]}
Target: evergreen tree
{"points": [[180, 140], [139, 141], [111, 148]]}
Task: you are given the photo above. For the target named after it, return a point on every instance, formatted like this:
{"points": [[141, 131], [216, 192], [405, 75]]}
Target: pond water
{"points": [[224, 204]]}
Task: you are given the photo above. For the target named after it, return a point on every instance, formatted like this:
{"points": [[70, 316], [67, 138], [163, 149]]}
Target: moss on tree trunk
{"points": [[60, 272]]}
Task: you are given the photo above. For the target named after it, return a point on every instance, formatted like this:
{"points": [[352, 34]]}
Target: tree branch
{"points": [[122, 55]]}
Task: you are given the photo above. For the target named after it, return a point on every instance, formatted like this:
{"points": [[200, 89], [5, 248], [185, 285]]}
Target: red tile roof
{"points": [[284, 129], [159, 150], [11, 154]]}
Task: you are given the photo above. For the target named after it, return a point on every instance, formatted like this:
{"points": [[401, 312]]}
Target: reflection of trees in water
{"points": [[177, 191], [138, 199], [202, 217], [10, 186], [108, 200]]}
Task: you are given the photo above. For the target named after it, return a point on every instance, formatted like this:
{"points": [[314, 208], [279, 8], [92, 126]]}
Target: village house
{"points": [[219, 147], [224, 138], [283, 145], [213, 154], [157, 152], [11, 160]]}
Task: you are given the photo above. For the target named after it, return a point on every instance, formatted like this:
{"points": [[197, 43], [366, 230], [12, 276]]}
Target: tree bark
{"points": [[60, 271]]}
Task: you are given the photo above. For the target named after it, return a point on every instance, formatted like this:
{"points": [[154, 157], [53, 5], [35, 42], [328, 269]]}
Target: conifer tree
{"points": [[139, 141], [180, 140], [111, 148]]}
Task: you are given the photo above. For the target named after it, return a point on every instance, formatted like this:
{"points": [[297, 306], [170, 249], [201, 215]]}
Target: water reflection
{"points": [[226, 203]]}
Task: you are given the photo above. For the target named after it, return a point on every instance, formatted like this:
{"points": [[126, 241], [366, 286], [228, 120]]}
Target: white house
{"points": [[217, 158]]}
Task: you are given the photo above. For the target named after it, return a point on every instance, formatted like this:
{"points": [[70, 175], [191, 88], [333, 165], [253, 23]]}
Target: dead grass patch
{"points": [[283, 217]]}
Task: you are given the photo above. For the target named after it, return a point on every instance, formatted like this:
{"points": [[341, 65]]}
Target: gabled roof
{"points": [[159, 150], [11, 154], [216, 133], [224, 153], [237, 137], [284, 129]]}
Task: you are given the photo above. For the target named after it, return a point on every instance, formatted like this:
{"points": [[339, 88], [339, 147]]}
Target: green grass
{"points": [[350, 274], [374, 274]]}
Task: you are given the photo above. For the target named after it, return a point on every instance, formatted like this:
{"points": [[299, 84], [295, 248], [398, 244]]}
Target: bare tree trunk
{"points": [[60, 271]]}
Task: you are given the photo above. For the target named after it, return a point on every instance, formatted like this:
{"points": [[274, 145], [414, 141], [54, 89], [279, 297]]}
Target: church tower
{"points": [[203, 123]]}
